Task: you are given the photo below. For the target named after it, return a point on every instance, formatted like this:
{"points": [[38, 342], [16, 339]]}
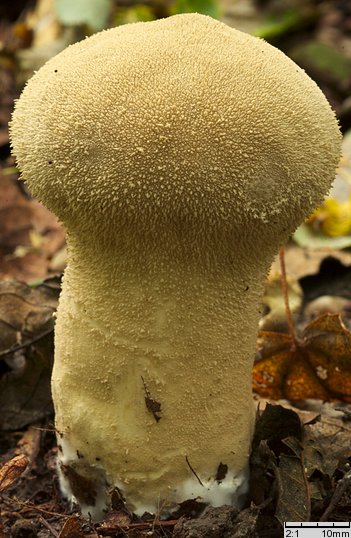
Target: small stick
{"points": [[193, 471], [48, 526], [26, 344], [284, 285], [30, 506]]}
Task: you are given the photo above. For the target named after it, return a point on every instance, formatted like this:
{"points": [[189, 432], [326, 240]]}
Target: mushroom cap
{"points": [[179, 119]]}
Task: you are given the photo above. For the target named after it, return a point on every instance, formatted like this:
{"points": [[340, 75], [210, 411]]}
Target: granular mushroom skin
{"points": [[179, 154]]}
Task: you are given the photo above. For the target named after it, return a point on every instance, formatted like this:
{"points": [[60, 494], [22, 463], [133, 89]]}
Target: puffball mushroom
{"points": [[179, 154]]}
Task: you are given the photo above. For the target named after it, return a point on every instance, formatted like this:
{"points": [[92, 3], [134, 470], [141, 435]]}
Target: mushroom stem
{"points": [[158, 307]]}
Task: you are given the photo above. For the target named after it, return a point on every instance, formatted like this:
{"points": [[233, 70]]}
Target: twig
{"points": [[193, 471], [30, 506], [142, 525], [284, 285], [48, 526], [10, 351], [341, 487]]}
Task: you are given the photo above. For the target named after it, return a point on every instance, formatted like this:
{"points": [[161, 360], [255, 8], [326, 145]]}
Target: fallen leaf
{"points": [[25, 313], [29, 234], [29, 444], [316, 366], [26, 351], [307, 237], [12, 470], [332, 218], [292, 486], [331, 304], [72, 529], [212, 523], [114, 520], [273, 426]]}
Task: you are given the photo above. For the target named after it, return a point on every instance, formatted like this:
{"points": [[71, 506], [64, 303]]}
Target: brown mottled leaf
{"points": [[26, 351], [29, 234], [273, 427], [212, 523], [293, 495], [72, 529], [12, 470], [275, 424], [115, 520], [319, 366]]}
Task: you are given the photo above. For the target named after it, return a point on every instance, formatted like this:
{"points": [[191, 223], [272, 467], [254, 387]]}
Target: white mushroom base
{"points": [[232, 490]]}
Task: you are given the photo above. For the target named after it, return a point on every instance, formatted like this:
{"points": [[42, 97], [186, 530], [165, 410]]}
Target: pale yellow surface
{"points": [[179, 154]]}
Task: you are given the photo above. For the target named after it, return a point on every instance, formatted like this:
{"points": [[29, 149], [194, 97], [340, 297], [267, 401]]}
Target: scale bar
{"points": [[324, 525]]}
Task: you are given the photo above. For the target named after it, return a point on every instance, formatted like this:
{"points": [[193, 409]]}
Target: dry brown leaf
{"points": [[26, 351], [25, 313], [29, 234], [115, 520], [317, 366], [72, 529], [12, 470], [29, 444]]}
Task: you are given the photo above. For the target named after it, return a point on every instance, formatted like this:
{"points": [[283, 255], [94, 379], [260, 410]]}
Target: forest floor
{"points": [[300, 466]]}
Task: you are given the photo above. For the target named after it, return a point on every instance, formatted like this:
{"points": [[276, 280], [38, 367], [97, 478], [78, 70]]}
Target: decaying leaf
{"points": [[212, 523], [317, 366], [26, 351], [29, 234], [295, 469], [273, 426], [12, 470], [331, 304], [72, 528], [114, 520], [292, 486]]}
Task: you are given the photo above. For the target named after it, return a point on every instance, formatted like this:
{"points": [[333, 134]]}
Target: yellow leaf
{"points": [[333, 218]]}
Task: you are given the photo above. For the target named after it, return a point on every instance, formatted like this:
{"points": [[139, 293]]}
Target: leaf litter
{"points": [[300, 450], [26, 351], [300, 463], [29, 234]]}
